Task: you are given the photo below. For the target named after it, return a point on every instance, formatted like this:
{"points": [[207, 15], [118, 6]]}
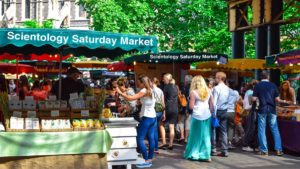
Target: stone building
{"points": [[65, 13]]}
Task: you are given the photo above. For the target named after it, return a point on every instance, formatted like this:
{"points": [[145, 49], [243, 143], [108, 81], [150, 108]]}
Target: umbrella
{"points": [[15, 69], [120, 66], [235, 64], [91, 64], [43, 67]]}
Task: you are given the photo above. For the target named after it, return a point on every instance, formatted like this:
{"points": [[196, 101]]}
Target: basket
{"points": [[88, 129], [57, 130], [23, 130]]}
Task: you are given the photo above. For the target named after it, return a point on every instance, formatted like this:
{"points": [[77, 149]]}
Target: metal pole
{"points": [[60, 73]]}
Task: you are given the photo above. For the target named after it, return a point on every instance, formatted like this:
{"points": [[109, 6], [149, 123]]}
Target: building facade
{"points": [[65, 13]]}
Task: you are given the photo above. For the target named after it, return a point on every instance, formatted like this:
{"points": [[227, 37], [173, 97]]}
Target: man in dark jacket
{"points": [[69, 85]]}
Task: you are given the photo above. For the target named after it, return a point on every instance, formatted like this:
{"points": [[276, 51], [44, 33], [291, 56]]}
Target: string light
{"points": [[290, 64], [134, 62], [218, 62]]}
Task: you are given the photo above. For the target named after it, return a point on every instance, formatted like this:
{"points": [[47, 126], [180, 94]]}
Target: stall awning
{"points": [[16, 68], [91, 64], [286, 58], [75, 42], [235, 64], [177, 57]]}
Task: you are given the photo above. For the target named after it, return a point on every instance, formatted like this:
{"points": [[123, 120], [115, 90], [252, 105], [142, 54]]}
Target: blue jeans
{"points": [[156, 128], [222, 131], [271, 119], [146, 127]]}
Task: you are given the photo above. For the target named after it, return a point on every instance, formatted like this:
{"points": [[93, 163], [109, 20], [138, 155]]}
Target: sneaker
{"points": [[144, 165], [256, 149], [263, 153], [230, 146], [279, 153], [249, 149]]}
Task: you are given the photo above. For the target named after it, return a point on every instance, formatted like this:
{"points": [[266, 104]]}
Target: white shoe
{"points": [[249, 149]]}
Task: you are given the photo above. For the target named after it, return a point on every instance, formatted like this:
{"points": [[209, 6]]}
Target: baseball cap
{"points": [[72, 70]]}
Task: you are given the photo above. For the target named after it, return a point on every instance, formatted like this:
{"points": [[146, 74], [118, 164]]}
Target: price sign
{"points": [[29, 98], [73, 96], [17, 114], [54, 113], [52, 97], [85, 113], [31, 114]]}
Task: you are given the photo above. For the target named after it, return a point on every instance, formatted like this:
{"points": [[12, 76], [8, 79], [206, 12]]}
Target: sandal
{"points": [[163, 146]]}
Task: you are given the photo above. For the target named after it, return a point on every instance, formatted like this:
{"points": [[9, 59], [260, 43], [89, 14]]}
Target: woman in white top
{"points": [[146, 126], [199, 140]]}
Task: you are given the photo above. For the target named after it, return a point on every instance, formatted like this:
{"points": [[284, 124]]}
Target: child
{"points": [[239, 130]]}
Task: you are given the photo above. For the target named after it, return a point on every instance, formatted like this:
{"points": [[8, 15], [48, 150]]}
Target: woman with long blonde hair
{"points": [[201, 102], [146, 126]]}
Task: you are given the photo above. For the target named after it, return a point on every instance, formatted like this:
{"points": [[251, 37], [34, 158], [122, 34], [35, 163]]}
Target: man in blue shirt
{"points": [[221, 94], [267, 94]]}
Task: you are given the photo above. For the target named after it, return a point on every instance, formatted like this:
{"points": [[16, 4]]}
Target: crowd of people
{"points": [[215, 118], [242, 115]]}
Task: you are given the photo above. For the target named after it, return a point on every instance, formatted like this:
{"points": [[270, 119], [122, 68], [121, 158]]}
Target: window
{"points": [[27, 9], [61, 4], [82, 13], [2, 7]]}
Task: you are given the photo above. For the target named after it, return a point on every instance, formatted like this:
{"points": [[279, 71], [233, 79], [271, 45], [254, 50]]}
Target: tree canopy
{"points": [[181, 25]]}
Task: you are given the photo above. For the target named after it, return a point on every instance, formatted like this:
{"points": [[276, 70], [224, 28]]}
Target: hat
{"points": [[72, 70]]}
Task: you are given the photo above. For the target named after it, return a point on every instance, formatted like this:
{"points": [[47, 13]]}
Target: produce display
{"points": [[87, 123], [106, 113]]}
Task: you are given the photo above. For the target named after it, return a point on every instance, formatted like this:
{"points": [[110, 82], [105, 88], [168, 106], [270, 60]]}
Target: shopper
{"points": [[160, 114], [232, 100], [267, 94], [221, 94], [171, 101], [126, 108], [24, 88], [201, 102], [146, 126]]}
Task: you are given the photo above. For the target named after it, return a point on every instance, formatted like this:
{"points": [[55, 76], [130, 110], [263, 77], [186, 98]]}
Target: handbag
{"points": [[215, 122], [182, 100], [158, 105]]}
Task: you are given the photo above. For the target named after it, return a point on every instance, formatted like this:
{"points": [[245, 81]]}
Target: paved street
{"points": [[173, 160]]}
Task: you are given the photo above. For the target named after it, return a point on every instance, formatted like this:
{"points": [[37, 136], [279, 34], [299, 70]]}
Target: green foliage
{"points": [[181, 25], [35, 24]]}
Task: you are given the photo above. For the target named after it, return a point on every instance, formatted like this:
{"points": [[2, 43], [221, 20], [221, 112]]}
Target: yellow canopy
{"points": [[235, 64], [209, 73], [91, 64]]}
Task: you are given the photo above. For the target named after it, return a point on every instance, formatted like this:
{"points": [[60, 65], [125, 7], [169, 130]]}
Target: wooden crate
{"points": [[46, 113], [76, 114], [23, 130]]}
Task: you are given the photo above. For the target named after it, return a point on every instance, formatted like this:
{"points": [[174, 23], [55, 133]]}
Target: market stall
{"points": [[59, 127], [176, 63], [289, 126]]}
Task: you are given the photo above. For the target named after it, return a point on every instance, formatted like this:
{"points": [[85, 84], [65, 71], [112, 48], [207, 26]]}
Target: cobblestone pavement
{"points": [[237, 159]]}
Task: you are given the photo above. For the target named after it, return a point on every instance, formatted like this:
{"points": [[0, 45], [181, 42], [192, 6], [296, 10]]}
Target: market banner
{"points": [[54, 143], [180, 57], [81, 40]]}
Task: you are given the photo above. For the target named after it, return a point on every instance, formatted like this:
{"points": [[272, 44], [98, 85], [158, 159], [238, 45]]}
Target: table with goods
{"points": [[54, 133], [289, 127]]}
